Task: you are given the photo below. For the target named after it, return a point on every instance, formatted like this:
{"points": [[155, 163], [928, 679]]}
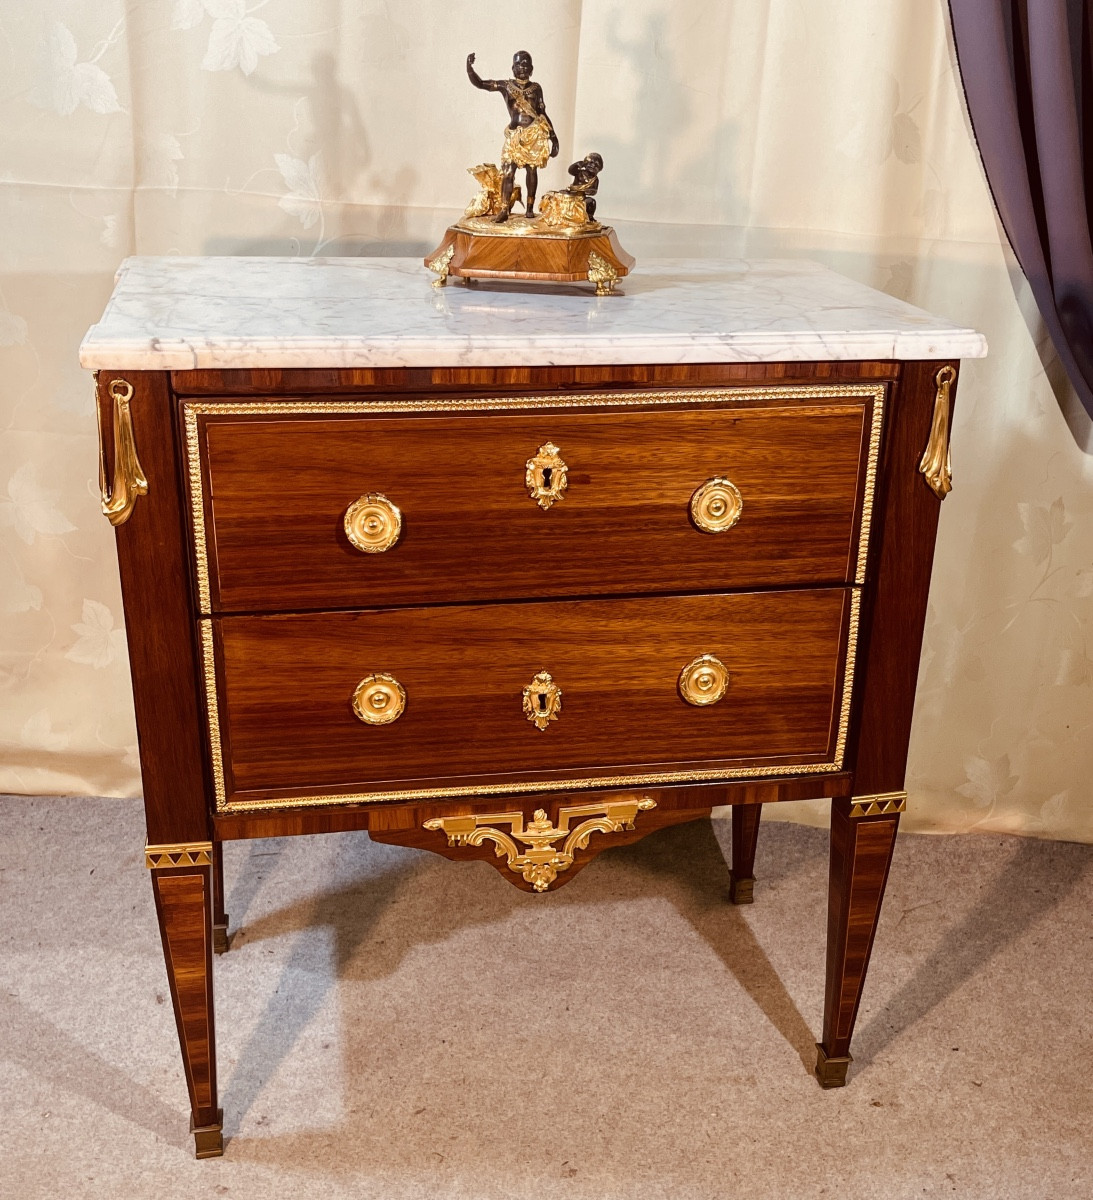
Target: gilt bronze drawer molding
{"points": [[669, 397], [848, 677], [197, 507], [526, 787], [879, 805], [540, 864], [869, 491], [212, 710], [186, 854], [936, 463], [119, 497]]}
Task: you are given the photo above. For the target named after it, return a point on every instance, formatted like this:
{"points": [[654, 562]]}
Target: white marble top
{"points": [[184, 313]]}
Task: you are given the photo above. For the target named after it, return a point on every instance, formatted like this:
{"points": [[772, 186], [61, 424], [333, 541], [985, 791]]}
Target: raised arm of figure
{"points": [[487, 85]]}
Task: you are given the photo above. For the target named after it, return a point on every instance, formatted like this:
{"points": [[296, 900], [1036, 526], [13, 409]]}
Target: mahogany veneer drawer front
{"points": [[616, 510], [288, 725]]}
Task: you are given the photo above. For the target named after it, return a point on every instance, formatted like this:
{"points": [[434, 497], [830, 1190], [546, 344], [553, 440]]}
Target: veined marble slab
{"points": [[185, 313]]}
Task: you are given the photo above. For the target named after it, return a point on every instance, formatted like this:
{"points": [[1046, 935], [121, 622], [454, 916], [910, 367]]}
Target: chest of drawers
{"points": [[517, 577]]}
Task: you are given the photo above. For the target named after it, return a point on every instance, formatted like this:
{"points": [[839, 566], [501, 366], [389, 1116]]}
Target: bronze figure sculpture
{"points": [[586, 181], [530, 140], [575, 206], [563, 242]]}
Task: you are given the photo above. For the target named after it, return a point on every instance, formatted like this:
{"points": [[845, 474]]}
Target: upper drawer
{"points": [[272, 483]]}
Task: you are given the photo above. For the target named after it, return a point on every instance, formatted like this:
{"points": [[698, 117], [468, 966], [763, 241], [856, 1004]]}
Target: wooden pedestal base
{"points": [[522, 249]]}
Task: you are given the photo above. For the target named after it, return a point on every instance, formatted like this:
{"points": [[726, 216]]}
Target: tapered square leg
{"points": [[745, 834], [861, 854], [221, 939], [184, 906]]}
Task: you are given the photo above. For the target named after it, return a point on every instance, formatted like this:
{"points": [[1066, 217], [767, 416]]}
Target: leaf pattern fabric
{"points": [[30, 509], [831, 130], [67, 83]]}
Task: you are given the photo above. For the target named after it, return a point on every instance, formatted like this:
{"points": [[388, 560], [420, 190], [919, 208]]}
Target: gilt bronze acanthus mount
{"points": [[562, 242], [541, 862]]}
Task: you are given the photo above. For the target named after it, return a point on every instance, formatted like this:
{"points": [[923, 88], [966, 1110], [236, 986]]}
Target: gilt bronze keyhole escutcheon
{"points": [[542, 700], [545, 475]]}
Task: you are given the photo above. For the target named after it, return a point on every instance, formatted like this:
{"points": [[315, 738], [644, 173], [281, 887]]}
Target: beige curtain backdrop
{"points": [[832, 129]]}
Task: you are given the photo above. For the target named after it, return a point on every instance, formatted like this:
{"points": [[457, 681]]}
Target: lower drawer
{"points": [[504, 698]]}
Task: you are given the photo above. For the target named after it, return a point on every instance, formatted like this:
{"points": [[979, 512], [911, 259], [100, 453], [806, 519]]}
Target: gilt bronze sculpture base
{"points": [[524, 249]]}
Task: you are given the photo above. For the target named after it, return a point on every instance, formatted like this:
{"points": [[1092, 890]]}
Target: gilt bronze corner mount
{"points": [[936, 462], [119, 497]]}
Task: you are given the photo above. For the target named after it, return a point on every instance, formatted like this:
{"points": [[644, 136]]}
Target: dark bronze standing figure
{"points": [[530, 140]]}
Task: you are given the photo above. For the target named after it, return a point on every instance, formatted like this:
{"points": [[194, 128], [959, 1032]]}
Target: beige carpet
{"points": [[392, 1025]]}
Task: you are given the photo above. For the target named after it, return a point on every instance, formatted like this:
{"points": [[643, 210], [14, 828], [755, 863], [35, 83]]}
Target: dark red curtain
{"points": [[1027, 67]]}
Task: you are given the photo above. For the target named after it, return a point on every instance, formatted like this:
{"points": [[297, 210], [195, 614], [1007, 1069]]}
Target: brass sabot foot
{"points": [[209, 1139], [741, 890], [831, 1072]]}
